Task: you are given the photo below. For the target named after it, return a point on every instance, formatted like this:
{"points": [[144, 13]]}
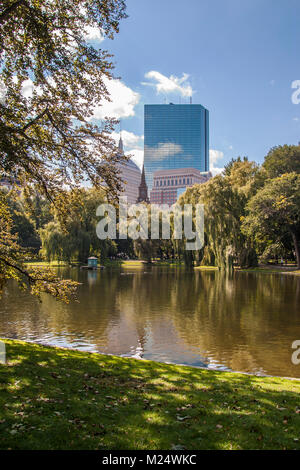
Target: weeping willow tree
{"points": [[12, 266], [158, 226], [75, 238], [56, 243], [225, 197], [145, 247]]}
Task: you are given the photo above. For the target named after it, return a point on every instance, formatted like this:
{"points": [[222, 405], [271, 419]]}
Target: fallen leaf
{"points": [[182, 418]]}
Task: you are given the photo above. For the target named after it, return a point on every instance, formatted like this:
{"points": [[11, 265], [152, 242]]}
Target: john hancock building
{"points": [[176, 136]]}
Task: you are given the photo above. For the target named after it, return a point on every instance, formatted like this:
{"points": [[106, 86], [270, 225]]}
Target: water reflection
{"points": [[242, 321]]}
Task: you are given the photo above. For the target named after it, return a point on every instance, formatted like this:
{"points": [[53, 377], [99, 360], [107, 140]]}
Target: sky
{"points": [[238, 58]]}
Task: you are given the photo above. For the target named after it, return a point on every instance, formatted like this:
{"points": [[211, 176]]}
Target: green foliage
{"points": [[224, 198], [251, 211], [274, 212], [12, 258], [51, 80], [282, 159], [75, 238], [228, 167], [28, 214], [46, 135]]}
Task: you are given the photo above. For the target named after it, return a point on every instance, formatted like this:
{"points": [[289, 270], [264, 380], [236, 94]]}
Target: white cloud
{"points": [[129, 138], [295, 119], [122, 104], [27, 88], [93, 33], [137, 156], [172, 149], [214, 156], [131, 141], [272, 82], [3, 92], [164, 150], [170, 84]]}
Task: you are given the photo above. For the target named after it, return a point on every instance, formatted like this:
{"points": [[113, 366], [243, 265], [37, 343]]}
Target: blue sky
{"points": [[238, 58]]}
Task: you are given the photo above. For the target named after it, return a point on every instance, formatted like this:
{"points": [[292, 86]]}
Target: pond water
{"points": [[241, 321]]}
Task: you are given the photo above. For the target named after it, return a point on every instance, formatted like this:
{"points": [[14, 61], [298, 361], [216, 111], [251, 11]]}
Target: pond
{"points": [[244, 321]]}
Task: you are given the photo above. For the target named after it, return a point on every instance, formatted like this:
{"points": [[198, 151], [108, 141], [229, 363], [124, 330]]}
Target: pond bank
{"points": [[273, 269], [52, 398]]}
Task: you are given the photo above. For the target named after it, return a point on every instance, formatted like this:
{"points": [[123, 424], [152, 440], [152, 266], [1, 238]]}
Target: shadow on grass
{"points": [[62, 399]]}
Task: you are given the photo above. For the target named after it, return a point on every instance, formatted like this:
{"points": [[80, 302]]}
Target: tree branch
{"points": [[5, 14], [33, 121], [17, 268]]}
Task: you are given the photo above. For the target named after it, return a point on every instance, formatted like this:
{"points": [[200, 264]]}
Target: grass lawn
{"points": [[135, 263], [260, 269], [47, 264], [53, 398], [273, 269], [158, 262], [124, 263], [206, 268]]}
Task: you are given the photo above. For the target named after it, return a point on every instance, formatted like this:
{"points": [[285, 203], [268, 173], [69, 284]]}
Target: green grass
{"points": [[123, 263], [272, 270], [260, 269], [47, 264], [135, 263], [206, 268], [170, 263], [141, 263], [53, 398], [112, 263]]}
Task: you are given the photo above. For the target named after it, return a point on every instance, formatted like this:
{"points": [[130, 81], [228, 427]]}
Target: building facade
{"points": [[131, 176], [176, 136], [168, 185], [9, 182]]}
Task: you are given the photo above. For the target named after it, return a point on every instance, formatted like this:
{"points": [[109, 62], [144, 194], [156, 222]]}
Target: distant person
{"points": [[281, 261]]}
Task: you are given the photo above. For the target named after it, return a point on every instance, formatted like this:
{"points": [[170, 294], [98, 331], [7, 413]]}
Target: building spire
{"points": [[143, 189], [143, 179], [121, 147]]}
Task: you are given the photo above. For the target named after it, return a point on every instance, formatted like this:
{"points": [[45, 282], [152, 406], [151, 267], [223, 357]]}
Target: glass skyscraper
{"points": [[176, 136]]}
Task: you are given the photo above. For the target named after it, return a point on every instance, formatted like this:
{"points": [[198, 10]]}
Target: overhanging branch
{"points": [[6, 13]]}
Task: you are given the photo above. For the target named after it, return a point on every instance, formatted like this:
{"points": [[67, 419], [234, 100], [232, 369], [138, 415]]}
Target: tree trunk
{"points": [[296, 240], [188, 257]]}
